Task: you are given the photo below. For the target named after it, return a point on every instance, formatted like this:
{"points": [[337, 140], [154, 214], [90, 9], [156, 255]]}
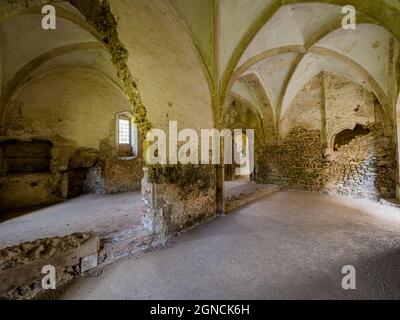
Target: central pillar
{"points": [[220, 189]]}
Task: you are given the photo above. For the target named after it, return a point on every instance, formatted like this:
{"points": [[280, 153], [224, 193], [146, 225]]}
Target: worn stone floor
{"points": [[287, 245], [100, 214]]}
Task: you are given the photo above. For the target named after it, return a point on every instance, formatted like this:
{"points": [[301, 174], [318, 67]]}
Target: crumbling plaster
{"points": [[304, 156], [99, 17], [359, 60], [346, 104], [75, 104], [239, 114], [305, 111], [74, 109], [178, 198]]}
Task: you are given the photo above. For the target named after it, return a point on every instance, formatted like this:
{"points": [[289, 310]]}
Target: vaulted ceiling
{"points": [[302, 40], [28, 51], [191, 54], [286, 43]]}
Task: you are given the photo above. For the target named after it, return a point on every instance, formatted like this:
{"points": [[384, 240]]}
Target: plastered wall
{"points": [[75, 110]]}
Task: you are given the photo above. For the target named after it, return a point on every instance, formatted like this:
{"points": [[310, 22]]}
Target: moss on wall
{"points": [[98, 13], [176, 198], [188, 178]]}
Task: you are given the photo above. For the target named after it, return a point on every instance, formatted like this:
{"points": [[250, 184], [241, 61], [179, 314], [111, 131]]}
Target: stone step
{"points": [[124, 243], [390, 202]]}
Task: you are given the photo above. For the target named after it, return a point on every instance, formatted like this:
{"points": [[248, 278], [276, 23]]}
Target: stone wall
{"points": [[177, 198], [120, 175], [307, 156], [363, 168], [305, 110], [21, 265], [296, 162], [70, 113], [347, 104]]}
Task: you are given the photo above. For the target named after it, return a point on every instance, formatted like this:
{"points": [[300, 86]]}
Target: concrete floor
{"points": [[100, 214], [286, 245]]}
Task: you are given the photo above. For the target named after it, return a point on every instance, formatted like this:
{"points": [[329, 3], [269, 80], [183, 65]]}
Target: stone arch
{"points": [[258, 116], [46, 88], [28, 69], [163, 57], [262, 56], [61, 13], [313, 47], [101, 23]]}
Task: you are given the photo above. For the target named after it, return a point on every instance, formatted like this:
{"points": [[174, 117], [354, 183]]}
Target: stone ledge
{"points": [[21, 267], [234, 204], [390, 202]]}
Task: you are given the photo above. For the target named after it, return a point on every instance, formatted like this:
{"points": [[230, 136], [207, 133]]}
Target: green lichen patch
{"points": [[188, 178]]}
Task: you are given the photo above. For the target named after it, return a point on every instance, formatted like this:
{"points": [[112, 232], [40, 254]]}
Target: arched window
{"points": [[127, 136]]}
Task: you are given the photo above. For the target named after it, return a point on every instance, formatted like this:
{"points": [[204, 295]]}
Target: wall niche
{"points": [[22, 157], [346, 136]]}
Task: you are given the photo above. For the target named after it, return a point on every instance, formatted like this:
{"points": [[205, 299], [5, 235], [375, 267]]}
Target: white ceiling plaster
{"points": [[236, 17], [242, 89], [280, 31], [368, 45], [272, 73], [291, 25], [24, 40], [95, 59], [163, 60]]}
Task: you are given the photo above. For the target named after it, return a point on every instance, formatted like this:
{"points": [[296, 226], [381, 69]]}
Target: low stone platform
{"points": [[75, 237], [240, 192]]}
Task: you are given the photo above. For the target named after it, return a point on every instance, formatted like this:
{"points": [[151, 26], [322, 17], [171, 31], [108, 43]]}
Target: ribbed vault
{"points": [[300, 40]]}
